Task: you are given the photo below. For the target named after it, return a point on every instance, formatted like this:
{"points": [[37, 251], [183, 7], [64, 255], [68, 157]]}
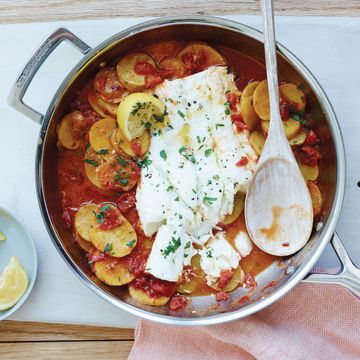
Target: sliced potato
{"points": [[292, 94], [116, 242], [113, 271], [84, 244], [298, 139], [141, 144], [291, 127], [309, 172], [257, 141], [316, 197], [202, 55], [106, 83], [118, 174], [248, 113], [164, 49], [65, 132], [100, 137], [235, 281], [101, 106], [172, 68], [249, 89], [84, 220], [91, 162], [238, 208], [261, 100], [195, 279], [138, 112], [126, 73], [145, 299]]}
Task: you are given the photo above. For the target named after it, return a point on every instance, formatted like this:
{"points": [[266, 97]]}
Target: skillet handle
{"points": [[348, 276], [23, 81]]}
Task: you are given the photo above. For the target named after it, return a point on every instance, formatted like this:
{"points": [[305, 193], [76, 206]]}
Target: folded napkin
{"points": [[311, 322]]}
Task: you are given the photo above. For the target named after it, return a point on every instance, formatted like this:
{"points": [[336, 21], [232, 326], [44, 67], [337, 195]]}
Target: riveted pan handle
{"points": [[23, 81], [349, 274]]}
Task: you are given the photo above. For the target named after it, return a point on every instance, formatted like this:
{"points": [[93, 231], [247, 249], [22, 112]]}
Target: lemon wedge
{"points": [[138, 112], [13, 284], [2, 236]]}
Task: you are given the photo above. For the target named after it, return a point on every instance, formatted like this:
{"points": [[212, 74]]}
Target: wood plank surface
{"points": [[42, 341], [24, 11]]}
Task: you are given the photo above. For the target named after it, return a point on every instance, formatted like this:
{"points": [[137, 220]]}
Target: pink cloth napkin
{"points": [[311, 322]]}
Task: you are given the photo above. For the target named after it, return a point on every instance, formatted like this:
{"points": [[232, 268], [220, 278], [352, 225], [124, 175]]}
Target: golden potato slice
{"points": [[200, 55], [118, 241], [249, 89], [236, 280], [100, 137], [108, 86], [140, 145], [91, 162], [298, 139], [101, 106], [195, 280], [238, 208], [113, 271], [316, 197], [145, 299], [261, 101], [309, 172], [248, 113], [84, 244], [84, 220], [172, 68], [291, 127], [295, 96], [126, 70], [164, 49], [118, 173], [257, 141], [65, 133]]}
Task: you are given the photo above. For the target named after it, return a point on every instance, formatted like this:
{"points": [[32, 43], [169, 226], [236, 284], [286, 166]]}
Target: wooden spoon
{"points": [[278, 207]]}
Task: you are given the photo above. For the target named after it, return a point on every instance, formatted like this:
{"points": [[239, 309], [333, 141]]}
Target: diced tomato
{"points": [[233, 100], [194, 62], [126, 201], [110, 218], [152, 80], [135, 173], [309, 155], [311, 138], [225, 277], [136, 147], [144, 68], [244, 299], [249, 281], [178, 302], [238, 121], [154, 287], [270, 284], [222, 296], [243, 161], [284, 109]]}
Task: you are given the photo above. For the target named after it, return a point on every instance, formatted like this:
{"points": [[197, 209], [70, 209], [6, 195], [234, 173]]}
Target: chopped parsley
{"points": [[187, 245], [144, 163], [103, 152], [160, 118], [177, 199], [131, 243], [108, 247], [124, 182], [174, 244], [181, 113], [182, 149], [194, 191], [91, 162], [138, 106], [163, 154], [87, 146], [208, 152], [227, 108], [100, 216], [147, 125], [298, 117], [209, 200], [219, 125], [209, 253], [169, 188], [121, 161]]}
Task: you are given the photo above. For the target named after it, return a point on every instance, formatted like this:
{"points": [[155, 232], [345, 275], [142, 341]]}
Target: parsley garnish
{"points": [[163, 154], [181, 113], [121, 161], [174, 244], [182, 149], [147, 125], [169, 188], [87, 146], [209, 200], [177, 199], [103, 152], [131, 243], [208, 152], [108, 247], [91, 162], [187, 245], [297, 117], [124, 182], [219, 125], [100, 215], [227, 109], [138, 106], [209, 253], [144, 163]]}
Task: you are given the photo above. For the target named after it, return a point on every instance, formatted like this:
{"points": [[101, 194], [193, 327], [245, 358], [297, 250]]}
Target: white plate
{"points": [[20, 244]]}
